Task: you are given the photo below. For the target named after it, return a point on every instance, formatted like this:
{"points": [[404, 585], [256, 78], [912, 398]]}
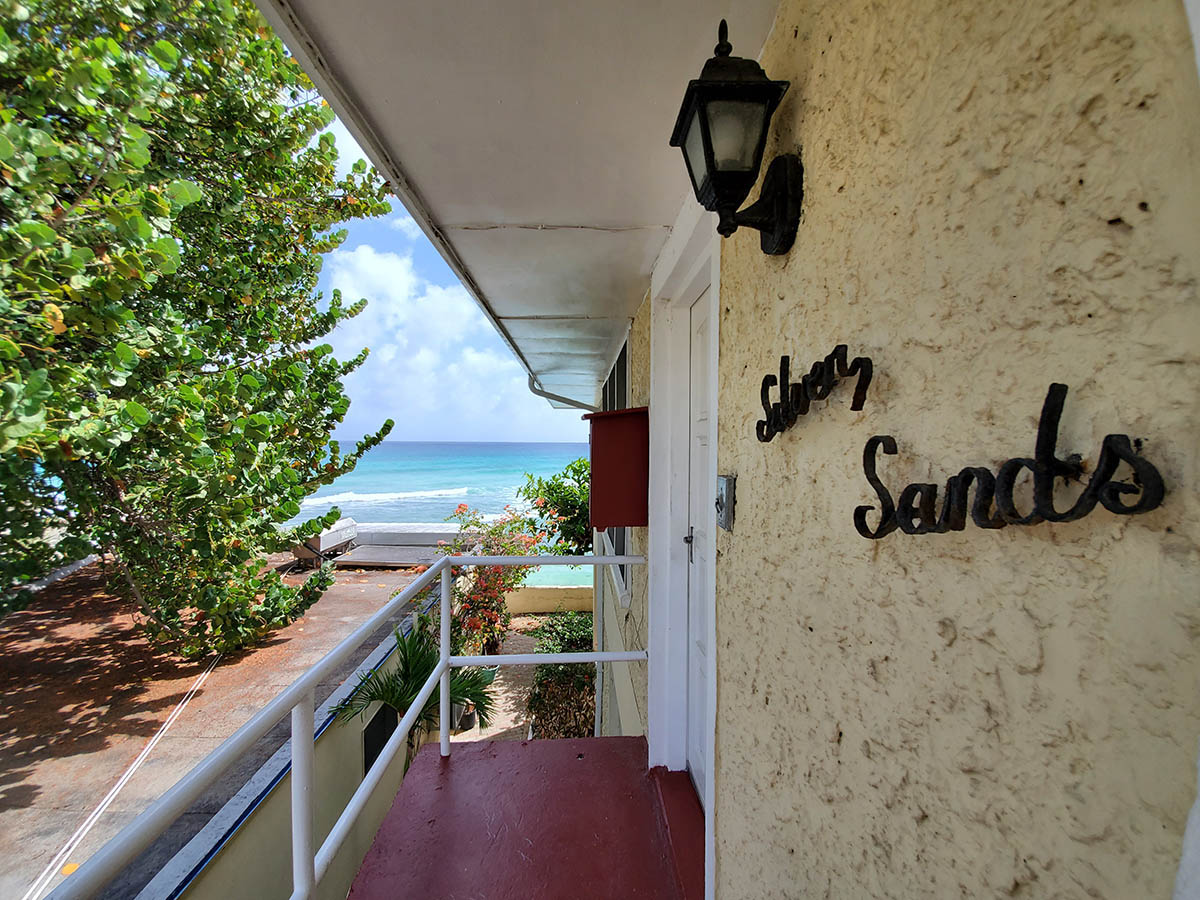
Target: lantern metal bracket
{"points": [[776, 213]]}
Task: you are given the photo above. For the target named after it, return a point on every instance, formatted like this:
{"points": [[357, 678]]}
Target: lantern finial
{"points": [[723, 48]]}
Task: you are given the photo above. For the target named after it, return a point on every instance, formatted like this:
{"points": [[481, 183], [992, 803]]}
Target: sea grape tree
{"points": [[164, 396]]}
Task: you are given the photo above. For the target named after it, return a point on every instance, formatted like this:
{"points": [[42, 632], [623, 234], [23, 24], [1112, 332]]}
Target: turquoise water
{"points": [[402, 481]]}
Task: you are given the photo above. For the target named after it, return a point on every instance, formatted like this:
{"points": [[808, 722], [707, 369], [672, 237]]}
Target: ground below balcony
{"points": [[548, 819]]}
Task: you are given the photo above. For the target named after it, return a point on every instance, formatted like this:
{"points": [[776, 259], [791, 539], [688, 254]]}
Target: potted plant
{"points": [[416, 657]]}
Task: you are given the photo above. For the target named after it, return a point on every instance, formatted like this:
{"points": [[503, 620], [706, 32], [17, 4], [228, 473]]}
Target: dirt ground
{"points": [[82, 693]]}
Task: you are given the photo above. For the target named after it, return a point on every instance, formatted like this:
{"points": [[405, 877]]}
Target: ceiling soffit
{"points": [[529, 142]]}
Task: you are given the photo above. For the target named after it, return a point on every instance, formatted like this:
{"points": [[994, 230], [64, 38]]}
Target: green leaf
{"points": [[137, 146], [183, 192], [134, 225], [164, 54], [125, 354], [24, 426], [8, 349], [41, 143], [37, 233], [169, 248], [6, 148], [137, 413]]}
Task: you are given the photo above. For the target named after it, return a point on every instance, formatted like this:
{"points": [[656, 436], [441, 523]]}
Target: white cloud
{"points": [[436, 367], [406, 225]]}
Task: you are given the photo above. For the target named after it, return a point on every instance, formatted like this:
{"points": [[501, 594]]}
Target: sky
{"points": [[437, 367]]}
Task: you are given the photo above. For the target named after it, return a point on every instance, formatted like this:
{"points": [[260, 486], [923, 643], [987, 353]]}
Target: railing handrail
{"points": [[110, 859]]}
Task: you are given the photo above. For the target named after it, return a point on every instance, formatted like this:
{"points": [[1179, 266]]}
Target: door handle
{"points": [[690, 540]]}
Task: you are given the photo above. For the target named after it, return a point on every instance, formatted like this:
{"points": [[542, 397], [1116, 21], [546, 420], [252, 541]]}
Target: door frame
{"points": [[690, 262]]}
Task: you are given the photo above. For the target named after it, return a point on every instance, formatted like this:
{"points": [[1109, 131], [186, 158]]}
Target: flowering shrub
{"points": [[560, 507], [481, 617]]}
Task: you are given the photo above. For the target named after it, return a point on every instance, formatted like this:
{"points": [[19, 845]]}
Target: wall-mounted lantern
{"points": [[722, 128]]}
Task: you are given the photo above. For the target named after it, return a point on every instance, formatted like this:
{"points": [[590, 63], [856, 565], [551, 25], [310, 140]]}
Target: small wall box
{"points": [[620, 467]]}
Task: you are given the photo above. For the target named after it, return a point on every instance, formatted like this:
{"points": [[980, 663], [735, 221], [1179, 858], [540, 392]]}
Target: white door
{"points": [[700, 540]]}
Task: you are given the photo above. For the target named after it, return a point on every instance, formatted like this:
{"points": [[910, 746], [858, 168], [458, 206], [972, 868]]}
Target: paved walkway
{"points": [[510, 721], [82, 692]]}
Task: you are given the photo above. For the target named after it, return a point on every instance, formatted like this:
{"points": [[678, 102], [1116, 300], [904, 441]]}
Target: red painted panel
{"points": [[683, 818], [620, 467]]}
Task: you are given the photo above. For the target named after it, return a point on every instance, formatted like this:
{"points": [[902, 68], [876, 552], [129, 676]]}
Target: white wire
{"points": [[43, 881]]}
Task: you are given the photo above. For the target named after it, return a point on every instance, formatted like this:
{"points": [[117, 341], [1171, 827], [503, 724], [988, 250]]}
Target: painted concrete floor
{"points": [[555, 820], [82, 692]]}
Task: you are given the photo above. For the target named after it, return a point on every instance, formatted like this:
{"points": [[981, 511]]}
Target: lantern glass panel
{"points": [[693, 147], [735, 127]]}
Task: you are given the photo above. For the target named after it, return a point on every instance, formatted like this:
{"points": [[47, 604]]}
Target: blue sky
{"points": [[436, 366]]}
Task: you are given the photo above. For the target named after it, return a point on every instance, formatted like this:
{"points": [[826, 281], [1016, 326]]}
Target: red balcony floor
{"points": [[548, 819]]}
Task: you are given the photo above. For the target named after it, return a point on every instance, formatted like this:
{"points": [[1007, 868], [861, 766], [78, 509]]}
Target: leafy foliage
{"points": [[163, 395], [562, 699], [564, 632], [397, 685], [481, 617], [560, 507]]}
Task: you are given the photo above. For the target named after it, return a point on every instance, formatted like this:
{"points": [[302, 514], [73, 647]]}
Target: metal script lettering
{"points": [[915, 512], [794, 398]]}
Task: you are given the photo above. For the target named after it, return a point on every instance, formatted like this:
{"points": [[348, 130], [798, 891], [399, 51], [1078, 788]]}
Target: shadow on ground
{"points": [[76, 675]]}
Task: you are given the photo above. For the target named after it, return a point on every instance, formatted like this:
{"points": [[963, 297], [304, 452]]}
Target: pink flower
{"points": [[540, 501], [460, 509]]}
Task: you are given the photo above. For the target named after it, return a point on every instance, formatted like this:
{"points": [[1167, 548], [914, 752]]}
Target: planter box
{"points": [[331, 541], [620, 467]]}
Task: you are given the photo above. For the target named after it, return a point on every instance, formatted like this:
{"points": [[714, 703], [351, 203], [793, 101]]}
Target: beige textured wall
{"points": [[256, 861], [997, 196], [634, 625], [530, 599]]}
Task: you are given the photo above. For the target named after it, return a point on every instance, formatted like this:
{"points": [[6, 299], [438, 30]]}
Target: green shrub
{"points": [[562, 700], [560, 507]]}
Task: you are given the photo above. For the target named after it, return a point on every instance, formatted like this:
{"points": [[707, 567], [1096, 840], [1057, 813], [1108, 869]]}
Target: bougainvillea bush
{"points": [[481, 617], [165, 202]]}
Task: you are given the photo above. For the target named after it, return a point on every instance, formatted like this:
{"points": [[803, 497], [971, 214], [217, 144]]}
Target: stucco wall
{"points": [[531, 599], [633, 622], [997, 197], [256, 860]]}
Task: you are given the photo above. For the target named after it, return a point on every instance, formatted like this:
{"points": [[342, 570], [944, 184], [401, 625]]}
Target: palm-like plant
{"points": [[398, 686]]}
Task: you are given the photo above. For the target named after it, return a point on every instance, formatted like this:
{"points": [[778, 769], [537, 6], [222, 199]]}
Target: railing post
{"points": [[444, 693], [303, 767]]}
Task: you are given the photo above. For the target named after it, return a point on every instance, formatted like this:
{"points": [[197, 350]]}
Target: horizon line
{"points": [[385, 441]]}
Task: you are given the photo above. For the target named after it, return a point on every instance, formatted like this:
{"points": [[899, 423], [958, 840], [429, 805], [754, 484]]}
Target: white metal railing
{"points": [[309, 867]]}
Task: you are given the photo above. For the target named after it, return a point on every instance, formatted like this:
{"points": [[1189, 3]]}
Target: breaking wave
{"points": [[388, 497]]}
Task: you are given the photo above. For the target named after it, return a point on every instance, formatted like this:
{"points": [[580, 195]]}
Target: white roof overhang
{"points": [[529, 141]]}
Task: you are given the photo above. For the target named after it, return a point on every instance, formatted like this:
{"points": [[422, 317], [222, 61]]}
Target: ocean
{"points": [[402, 481]]}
